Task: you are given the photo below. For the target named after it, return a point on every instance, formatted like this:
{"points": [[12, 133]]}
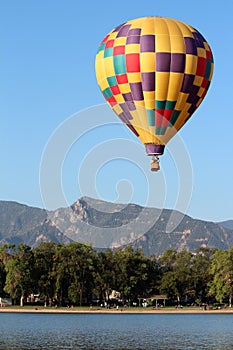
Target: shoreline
{"points": [[43, 310]]}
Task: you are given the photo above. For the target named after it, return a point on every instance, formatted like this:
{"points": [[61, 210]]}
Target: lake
{"points": [[122, 331]]}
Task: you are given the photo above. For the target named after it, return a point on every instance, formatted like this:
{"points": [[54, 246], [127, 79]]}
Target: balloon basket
{"points": [[154, 164]]}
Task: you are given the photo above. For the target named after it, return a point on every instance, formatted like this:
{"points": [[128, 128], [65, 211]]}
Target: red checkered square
{"points": [[133, 62], [115, 90], [168, 113], [109, 44], [122, 78], [118, 50], [201, 66], [205, 83], [112, 101], [159, 116], [209, 55]]}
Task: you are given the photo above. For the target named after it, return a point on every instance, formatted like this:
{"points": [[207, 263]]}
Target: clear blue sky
{"points": [[47, 74]]}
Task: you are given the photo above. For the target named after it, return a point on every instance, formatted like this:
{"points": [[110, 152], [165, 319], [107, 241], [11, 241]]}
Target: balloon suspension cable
{"points": [[154, 164]]}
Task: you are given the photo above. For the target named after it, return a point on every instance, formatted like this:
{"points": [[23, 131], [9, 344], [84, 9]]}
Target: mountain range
{"points": [[110, 225]]}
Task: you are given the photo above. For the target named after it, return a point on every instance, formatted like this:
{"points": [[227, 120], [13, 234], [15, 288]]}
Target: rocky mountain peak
{"points": [[106, 224]]}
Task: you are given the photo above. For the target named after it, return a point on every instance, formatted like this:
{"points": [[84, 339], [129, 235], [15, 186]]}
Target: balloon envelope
{"points": [[154, 72]]}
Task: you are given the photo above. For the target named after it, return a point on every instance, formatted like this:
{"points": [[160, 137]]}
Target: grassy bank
{"points": [[128, 310]]}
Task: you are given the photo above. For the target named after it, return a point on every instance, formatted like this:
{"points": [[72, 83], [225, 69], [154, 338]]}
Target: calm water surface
{"points": [[80, 331]]}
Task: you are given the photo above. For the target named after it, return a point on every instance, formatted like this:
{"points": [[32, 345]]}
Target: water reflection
{"points": [[137, 332]]}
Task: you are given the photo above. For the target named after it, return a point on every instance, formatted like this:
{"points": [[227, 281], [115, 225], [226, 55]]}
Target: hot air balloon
{"points": [[154, 72]]}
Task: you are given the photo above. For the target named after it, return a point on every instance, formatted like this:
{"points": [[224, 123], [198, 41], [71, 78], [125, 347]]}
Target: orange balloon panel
{"points": [[154, 72]]}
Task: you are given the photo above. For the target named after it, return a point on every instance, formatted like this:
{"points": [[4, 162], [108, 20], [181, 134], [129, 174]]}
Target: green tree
{"points": [[3, 259], [176, 280], [20, 273], [73, 272], [201, 276], [104, 275], [135, 273], [2, 278], [222, 275], [44, 257]]}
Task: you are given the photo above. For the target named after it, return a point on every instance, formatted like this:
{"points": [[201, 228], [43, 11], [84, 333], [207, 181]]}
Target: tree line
{"points": [[77, 274]]}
